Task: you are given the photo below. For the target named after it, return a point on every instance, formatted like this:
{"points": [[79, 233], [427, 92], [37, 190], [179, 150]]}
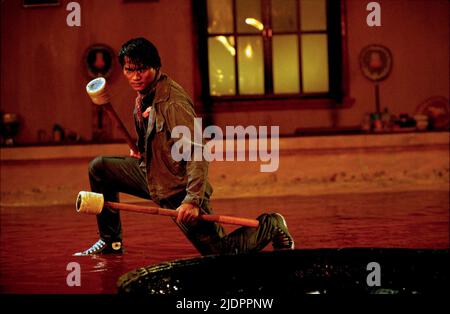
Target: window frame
{"points": [[338, 96]]}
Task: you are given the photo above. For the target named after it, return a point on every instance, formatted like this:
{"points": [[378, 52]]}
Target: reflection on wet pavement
{"points": [[38, 243]]}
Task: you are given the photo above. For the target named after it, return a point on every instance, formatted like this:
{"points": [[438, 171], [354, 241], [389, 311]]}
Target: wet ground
{"points": [[37, 243]]}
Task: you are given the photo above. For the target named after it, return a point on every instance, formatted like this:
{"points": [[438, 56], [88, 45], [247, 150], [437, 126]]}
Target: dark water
{"points": [[38, 243]]}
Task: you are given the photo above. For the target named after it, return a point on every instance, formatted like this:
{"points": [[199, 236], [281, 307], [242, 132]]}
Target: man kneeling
{"points": [[151, 173]]}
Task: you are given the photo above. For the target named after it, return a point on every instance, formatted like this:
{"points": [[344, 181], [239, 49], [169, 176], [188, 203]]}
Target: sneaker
{"points": [[102, 247], [281, 240]]}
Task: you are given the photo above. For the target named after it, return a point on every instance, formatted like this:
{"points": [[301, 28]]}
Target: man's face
{"points": [[138, 76]]}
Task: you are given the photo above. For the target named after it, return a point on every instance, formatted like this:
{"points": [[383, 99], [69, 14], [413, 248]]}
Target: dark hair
{"points": [[141, 52]]}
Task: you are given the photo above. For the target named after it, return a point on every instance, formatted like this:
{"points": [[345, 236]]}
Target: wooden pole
{"points": [[97, 91], [170, 212], [110, 109]]}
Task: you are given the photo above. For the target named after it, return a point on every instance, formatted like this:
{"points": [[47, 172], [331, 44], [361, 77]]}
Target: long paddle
{"points": [[93, 203]]}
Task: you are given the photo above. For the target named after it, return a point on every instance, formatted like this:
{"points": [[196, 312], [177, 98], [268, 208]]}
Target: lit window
{"points": [[267, 48]]}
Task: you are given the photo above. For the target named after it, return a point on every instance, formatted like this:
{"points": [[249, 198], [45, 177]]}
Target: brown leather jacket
{"points": [[166, 177]]}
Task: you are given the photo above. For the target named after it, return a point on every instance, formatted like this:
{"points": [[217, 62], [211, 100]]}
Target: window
{"points": [[266, 49]]}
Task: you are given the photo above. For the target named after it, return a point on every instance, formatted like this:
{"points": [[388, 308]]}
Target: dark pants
{"points": [[111, 175]]}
